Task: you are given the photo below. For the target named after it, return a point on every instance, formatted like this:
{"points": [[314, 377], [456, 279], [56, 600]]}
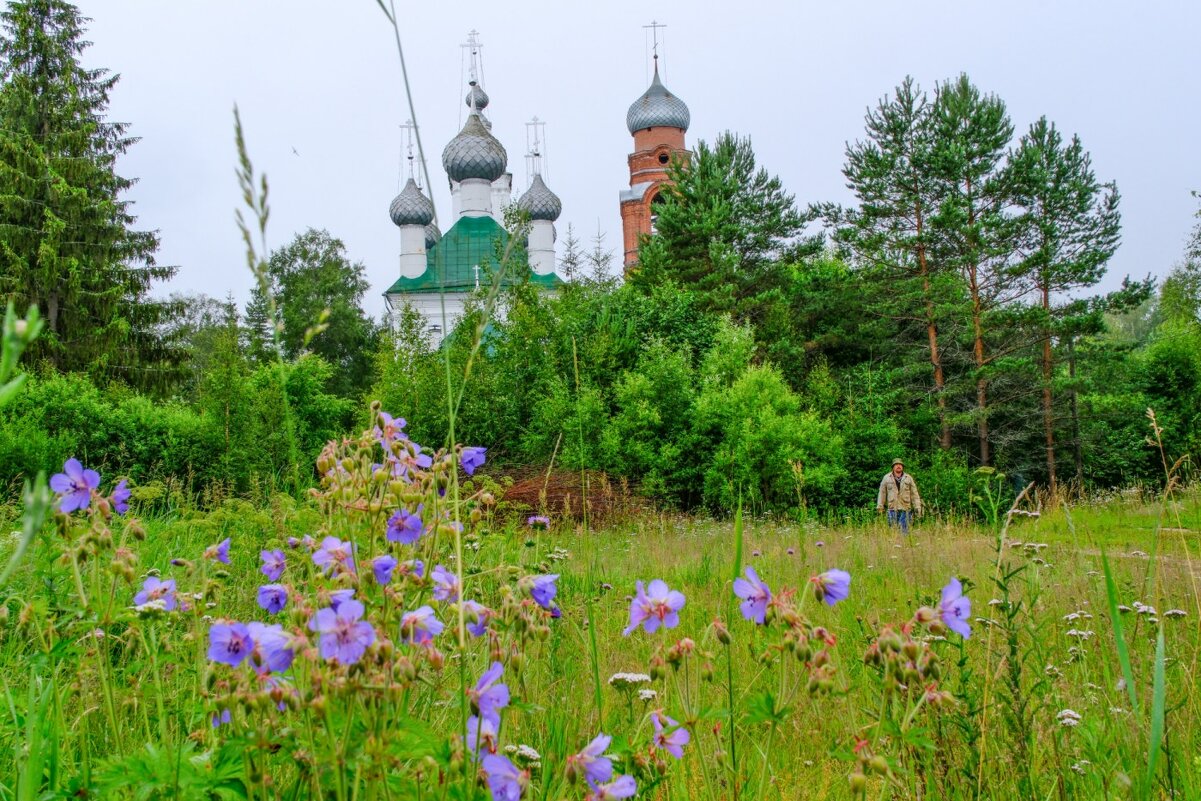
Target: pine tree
{"points": [[68, 243], [973, 226], [724, 226], [889, 234], [1070, 227]]}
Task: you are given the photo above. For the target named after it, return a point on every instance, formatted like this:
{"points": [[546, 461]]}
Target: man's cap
{"points": [[896, 462]]}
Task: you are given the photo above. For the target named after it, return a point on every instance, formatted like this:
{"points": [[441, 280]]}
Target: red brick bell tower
{"points": [[658, 121]]}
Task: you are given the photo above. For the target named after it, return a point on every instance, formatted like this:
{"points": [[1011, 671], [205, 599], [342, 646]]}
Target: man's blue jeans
{"points": [[899, 518]]}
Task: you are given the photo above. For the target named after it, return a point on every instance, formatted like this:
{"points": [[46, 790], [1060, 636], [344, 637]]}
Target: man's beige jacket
{"points": [[899, 499]]}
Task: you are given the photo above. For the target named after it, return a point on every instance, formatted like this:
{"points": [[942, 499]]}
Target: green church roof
{"points": [[451, 262]]}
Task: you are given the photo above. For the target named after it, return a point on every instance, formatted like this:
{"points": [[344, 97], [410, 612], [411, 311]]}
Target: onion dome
{"points": [[476, 98], [432, 235], [657, 107], [474, 153], [539, 202], [411, 207]]}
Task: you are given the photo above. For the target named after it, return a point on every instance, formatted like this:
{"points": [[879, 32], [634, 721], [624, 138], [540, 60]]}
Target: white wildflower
{"points": [[647, 694], [150, 608], [1069, 718], [1081, 767], [628, 681], [1175, 613]]}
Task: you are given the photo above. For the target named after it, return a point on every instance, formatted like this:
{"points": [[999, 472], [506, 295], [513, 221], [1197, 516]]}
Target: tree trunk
{"points": [[1077, 446], [978, 344], [944, 435], [981, 381], [1048, 400]]}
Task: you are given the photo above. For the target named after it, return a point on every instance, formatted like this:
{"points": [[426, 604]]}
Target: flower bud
{"points": [[858, 783], [571, 772], [924, 615], [721, 632], [890, 641], [878, 764], [911, 649], [707, 671]]}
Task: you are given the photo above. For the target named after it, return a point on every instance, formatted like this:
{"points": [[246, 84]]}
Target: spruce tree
{"points": [[1070, 227], [67, 241]]}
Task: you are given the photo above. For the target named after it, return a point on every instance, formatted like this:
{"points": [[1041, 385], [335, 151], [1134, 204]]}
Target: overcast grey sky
{"points": [[318, 85]]}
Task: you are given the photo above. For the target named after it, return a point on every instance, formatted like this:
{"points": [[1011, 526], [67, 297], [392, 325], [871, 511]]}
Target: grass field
{"points": [[105, 701]]}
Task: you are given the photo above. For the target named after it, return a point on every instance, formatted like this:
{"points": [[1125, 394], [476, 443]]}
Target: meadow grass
{"points": [[117, 716]]}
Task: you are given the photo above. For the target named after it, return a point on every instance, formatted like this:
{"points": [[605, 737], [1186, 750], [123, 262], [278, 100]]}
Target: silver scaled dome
{"points": [[657, 107], [474, 153], [476, 98], [411, 207], [432, 235], [539, 202]]}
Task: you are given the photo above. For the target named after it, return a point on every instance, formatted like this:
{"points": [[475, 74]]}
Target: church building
{"points": [[439, 272]]}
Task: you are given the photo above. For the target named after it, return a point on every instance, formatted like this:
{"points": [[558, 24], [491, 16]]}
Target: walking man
{"points": [[898, 495]]}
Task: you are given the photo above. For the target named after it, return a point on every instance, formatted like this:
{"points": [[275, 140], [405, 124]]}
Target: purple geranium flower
{"points": [[389, 430], [382, 567], [420, 626], [481, 613], [229, 643], [344, 637], [404, 526], [75, 485], [220, 717], [672, 741], [273, 598], [755, 596], [446, 584], [592, 761], [219, 552], [488, 697], [505, 781], [155, 589], [832, 586], [271, 653], [538, 522], [472, 458], [955, 609], [335, 555], [543, 590], [273, 564], [339, 597], [654, 607], [622, 787], [120, 497], [481, 730], [414, 566]]}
